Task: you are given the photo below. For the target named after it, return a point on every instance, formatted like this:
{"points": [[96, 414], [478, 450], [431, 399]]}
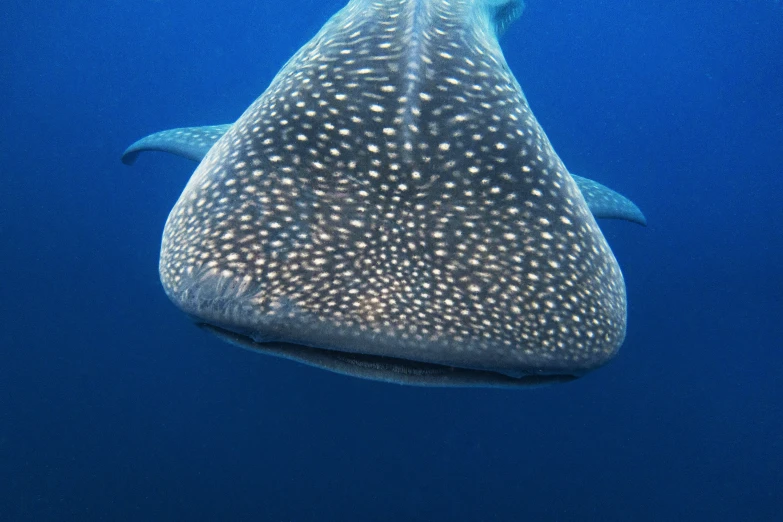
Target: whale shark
{"points": [[390, 208]]}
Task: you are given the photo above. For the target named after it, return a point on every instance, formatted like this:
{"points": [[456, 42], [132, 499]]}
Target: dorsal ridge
{"points": [[414, 54]]}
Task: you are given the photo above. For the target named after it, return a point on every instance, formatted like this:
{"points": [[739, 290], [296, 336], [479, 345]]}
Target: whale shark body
{"points": [[390, 208]]}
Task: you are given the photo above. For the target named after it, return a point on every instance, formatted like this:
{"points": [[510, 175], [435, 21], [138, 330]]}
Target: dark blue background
{"points": [[113, 406]]}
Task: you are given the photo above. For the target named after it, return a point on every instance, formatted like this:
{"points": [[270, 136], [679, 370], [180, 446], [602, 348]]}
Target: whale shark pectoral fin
{"points": [[605, 203], [192, 143]]}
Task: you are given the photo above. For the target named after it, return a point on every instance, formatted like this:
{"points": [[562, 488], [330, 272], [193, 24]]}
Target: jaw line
{"points": [[384, 368]]}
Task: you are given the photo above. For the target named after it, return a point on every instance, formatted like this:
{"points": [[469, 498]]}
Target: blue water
{"points": [[113, 406]]}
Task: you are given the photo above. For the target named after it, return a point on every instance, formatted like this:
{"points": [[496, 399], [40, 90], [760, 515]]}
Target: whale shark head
{"points": [[390, 208]]}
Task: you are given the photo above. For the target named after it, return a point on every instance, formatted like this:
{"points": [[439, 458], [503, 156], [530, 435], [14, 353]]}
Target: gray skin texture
{"points": [[193, 143], [391, 209]]}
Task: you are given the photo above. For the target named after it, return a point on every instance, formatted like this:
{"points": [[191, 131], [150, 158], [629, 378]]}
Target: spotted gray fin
{"points": [[192, 143], [605, 203]]}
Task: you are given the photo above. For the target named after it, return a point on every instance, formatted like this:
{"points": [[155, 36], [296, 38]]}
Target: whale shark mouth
{"points": [[387, 369]]}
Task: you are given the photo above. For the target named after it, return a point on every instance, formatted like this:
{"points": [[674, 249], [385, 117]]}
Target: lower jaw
{"points": [[388, 369]]}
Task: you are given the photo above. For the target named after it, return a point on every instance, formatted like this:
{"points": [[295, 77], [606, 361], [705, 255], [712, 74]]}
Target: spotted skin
{"points": [[392, 197], [194, 142]]}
